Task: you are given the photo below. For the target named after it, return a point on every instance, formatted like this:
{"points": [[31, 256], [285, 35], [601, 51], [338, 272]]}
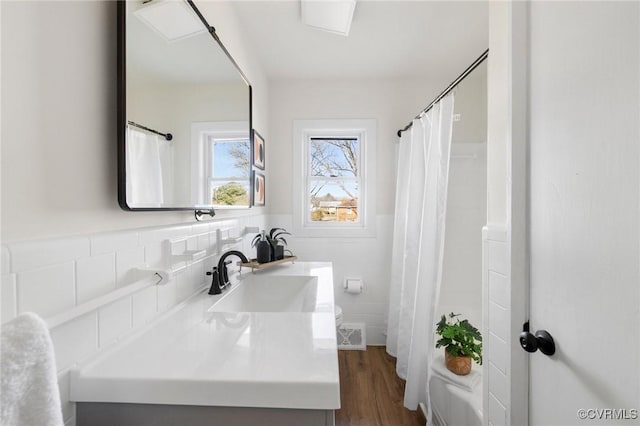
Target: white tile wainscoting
{"points": [[89, 290], [497, 365]]}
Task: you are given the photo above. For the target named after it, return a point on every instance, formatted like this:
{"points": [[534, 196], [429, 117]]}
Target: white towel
{"points": [[467, 382], [144, 170], [30, 395]]}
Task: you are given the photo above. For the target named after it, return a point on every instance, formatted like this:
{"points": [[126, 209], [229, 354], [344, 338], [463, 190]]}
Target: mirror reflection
{"points": [[186, 137]]}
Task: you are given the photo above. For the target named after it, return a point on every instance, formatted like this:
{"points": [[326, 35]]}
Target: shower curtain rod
{"points": [[167, 136], [449, 88]]}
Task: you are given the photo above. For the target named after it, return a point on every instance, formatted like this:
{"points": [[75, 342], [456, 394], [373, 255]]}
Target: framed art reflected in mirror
{"points": [[258, 189], [258, 149]]}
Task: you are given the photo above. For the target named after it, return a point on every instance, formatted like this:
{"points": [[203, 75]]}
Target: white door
{"points": [[584, 211]]}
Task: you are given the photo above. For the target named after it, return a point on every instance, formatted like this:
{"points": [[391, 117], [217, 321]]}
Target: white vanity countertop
{"points": [[241, 359]]}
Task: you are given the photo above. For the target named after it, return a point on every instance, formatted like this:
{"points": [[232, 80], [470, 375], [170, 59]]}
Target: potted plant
{"points": [[462, 343], [263, 247], [276, 241]]}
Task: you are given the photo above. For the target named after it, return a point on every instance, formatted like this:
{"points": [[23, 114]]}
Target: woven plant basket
{"points": [[460, 365]]}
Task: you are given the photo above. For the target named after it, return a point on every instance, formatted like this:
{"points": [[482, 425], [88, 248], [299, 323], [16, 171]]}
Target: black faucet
{"points": [[223, 275], [215, 281], [220, 276]]}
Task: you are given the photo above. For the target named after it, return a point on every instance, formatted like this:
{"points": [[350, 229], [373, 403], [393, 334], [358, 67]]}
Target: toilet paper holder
{"points": [[353, 285]]}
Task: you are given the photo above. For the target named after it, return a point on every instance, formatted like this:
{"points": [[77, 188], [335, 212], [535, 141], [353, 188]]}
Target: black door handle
{"points": [[541, 340]]}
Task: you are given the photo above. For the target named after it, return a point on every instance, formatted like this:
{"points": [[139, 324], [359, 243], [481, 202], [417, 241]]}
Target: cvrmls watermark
{"points": [[607, 414]]}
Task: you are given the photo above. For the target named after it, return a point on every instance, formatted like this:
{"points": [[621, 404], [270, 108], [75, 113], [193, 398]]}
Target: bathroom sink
{"points": [[266, 344], [270, 293]]}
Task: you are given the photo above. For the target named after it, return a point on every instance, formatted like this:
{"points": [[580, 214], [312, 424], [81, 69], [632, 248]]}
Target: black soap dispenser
{"points": [[263, 249]]}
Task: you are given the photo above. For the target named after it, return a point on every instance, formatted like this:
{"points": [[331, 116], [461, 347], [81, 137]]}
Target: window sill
{"points": [[337, 231]]}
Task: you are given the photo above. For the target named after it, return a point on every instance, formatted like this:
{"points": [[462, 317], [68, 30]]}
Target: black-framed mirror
{"points": [[184, 112]]}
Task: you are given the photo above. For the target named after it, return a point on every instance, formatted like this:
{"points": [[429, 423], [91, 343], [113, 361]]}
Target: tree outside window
{"points": [[229, 172], [334, 179]]}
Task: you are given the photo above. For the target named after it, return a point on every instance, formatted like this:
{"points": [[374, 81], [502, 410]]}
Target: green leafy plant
{"points": [[275, 236], [459, 337]]}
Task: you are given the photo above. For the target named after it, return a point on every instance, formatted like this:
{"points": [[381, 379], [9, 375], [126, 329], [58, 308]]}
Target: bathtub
{"points": [[454, 406]]}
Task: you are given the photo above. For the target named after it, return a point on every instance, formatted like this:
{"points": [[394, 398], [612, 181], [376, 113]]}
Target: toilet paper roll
{"points": [[353, 286]]}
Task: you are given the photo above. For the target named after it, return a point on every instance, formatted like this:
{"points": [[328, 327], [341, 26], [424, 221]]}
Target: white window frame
{"points": [[365, 131], [210, 145], [201, 134]]}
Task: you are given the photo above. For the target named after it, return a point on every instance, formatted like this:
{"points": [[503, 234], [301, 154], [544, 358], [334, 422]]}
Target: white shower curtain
{"points": [[418, 245], [144, 170]]}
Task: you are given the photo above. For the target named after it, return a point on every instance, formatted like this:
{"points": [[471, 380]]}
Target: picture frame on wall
{"points": [[258, 195], [257, 150]]}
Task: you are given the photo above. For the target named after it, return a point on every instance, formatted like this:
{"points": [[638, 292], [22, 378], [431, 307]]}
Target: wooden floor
{"points": [[370, 391]]}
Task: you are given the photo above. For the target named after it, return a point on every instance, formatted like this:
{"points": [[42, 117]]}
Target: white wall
{"points": [[392, 104], [173, 107], [59, 182], [505, 274], [461, 287], [470, 108], [498, 79], [59, 117]]}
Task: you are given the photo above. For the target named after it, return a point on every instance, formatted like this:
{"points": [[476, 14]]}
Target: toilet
{"points": [[338, 316]]}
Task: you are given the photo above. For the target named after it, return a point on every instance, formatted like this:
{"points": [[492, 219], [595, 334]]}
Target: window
{"points": [[334, 165], [333, 180], [228, 175], [221, 164]]}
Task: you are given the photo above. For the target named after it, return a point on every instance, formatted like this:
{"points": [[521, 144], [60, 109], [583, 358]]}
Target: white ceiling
{"points": [[388, 39], [151, 58]]}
